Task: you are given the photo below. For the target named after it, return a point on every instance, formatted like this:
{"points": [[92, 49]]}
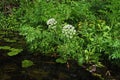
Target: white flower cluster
{"points": [[69, 31], [51, 23]]}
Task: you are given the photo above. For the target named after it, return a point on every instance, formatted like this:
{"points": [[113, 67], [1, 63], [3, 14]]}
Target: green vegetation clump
{"points": [[80, 30]]}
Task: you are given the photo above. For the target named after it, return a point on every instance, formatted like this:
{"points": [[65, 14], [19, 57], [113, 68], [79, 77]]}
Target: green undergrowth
{"points": [[80, 30]]}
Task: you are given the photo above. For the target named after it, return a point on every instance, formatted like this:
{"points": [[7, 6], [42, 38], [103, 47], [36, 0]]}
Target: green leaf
{"points": [[80, 61], [14, 52], [5, 47], [60, 60], [27, 63]]}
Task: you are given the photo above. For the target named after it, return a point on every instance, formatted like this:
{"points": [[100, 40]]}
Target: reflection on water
{"points": [[45, 68]]}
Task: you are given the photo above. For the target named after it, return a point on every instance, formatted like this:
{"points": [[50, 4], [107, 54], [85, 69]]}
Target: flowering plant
{"points": [[84, 43], [51, 22], [69, 31]]}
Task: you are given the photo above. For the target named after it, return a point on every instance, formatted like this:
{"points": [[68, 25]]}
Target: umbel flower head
{"points": [[69, 31], [51, 22]]}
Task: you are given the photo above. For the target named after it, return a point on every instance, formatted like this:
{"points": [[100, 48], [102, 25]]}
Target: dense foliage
{"points": [[81, 30]]}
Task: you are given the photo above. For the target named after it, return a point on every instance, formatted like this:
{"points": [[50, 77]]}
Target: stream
{"points": [[45, 67]]}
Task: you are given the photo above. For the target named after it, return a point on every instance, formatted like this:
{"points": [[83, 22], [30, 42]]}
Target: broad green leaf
{"points": [[14, 52], [27, 63]]}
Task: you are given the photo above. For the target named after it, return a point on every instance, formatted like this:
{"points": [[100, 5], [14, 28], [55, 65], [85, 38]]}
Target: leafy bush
{"points": [[45, 31], [80, 30], [108, 10], [9, 23], [100, 40], [59, 40], [10, 14], [38, 12]]}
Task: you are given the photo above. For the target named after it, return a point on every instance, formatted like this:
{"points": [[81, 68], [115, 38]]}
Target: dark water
{"points": [[45, 67]]}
